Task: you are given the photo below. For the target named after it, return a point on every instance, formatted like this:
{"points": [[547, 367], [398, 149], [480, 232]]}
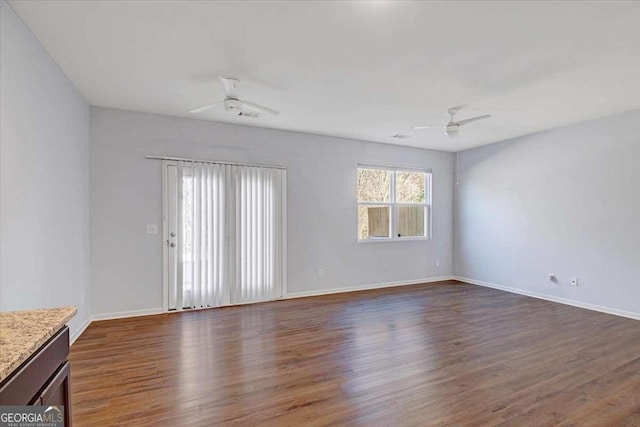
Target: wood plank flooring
{"points": [[425, 355]]}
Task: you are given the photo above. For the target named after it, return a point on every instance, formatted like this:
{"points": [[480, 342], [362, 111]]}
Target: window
{"points": [[393, 204]]}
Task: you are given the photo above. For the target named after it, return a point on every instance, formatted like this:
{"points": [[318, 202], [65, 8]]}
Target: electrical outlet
{"points": [[574, 281], [152, 228], [437, 263], [321, 272]]}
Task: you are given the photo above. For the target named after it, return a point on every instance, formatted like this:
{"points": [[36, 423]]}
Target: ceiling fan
{"points": [[235, 105], [452, 128]]}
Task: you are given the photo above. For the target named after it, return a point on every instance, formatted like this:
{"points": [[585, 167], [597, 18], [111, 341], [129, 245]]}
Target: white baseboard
{"points": [[365, 287], [123, 314], [79, 332], [151, 311], [574, 303]]}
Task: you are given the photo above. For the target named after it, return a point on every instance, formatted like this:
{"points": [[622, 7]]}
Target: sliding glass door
{"points": [[224, 228]]}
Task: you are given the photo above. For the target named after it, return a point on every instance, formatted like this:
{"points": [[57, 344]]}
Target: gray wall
{"points": [[126, 194], [44, 179], [565, 201]]}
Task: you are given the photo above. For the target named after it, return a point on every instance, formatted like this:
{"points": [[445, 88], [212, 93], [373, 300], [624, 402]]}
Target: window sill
{"points": [[394, 239]]}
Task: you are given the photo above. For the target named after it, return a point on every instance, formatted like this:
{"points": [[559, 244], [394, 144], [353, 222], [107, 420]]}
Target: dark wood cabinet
{"points": [[57, 392], [43, 379]]}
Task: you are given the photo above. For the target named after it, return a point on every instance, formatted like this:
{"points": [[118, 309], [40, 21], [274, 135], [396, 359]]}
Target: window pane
{"points": [[410, 187], [373, 222], [374, 185], [411, 221]]}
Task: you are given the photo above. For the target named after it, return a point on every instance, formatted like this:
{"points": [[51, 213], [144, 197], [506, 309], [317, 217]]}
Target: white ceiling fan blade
{"points": [[427, 127], [201, 109], [259, 108], [230, 85], [473, 119]]}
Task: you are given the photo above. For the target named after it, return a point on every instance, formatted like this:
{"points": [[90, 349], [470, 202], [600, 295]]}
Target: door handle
{"points": [[173, 245]]}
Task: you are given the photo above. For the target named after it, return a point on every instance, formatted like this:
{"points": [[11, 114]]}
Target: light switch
{"points": [[152, 228]]}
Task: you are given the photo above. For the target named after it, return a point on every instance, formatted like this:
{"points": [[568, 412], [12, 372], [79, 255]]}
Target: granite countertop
{"points": [[24, 332]]}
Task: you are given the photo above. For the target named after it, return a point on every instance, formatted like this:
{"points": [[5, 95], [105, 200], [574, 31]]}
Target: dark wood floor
{"points": [[434, 354]]}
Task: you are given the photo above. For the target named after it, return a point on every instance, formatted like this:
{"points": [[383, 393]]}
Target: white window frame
{"points": [[394, 206]]}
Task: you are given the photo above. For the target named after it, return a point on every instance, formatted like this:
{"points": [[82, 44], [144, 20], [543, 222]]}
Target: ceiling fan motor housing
{"points": [[235, 106], [232, 104], [452, 130]]}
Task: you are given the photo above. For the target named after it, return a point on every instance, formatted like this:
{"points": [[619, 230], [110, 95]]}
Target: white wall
{"points": [[44, 179], [127, 194], [565, 201]]}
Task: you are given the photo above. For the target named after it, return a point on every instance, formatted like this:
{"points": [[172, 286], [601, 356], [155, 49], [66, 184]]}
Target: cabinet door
{"points": [[58, 392]]}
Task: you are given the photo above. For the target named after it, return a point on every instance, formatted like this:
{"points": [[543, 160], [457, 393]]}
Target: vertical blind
{"points": [[231, 234]]}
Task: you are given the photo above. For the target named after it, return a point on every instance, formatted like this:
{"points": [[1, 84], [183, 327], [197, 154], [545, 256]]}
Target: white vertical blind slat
{"points": [[229, 231], [253, 235], [236, 262], [269, 246], [242, 283], [208, 266], [197, 231], [180, 240], [189, 296], [263, 230], [215, 236], [248, 283]]}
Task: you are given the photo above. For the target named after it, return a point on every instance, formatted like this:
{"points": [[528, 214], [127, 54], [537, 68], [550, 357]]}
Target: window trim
{"points": [[394, 205]]}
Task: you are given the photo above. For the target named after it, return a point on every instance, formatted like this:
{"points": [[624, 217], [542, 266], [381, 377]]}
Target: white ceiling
{"points": [[364, 70]]}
